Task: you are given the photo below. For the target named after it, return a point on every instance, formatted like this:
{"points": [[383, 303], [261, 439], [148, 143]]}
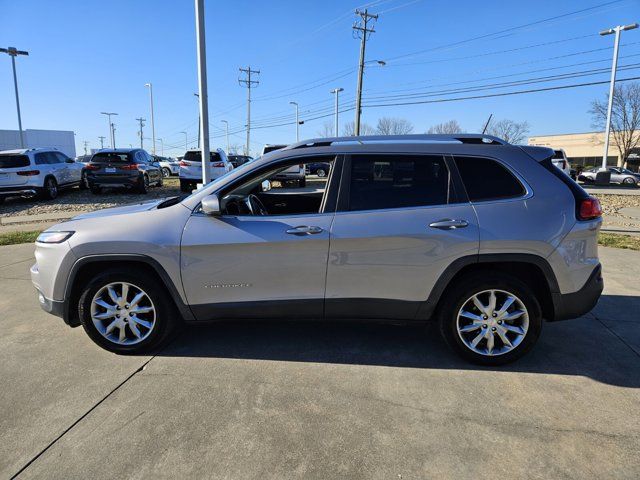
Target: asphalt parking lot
{"points": [[284, 400]]}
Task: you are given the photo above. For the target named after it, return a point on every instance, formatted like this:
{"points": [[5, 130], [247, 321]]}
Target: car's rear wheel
{"points": [[321, 173], [302, 182], [50, 189], [166, 172], [125, 312], [490, 319], [629, 181], [143, 184]]}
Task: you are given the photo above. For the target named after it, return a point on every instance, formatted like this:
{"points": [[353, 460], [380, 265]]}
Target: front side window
{"points": [[388, 181], [486, 179]]}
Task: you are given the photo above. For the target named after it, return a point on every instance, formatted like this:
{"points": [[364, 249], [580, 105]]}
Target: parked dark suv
{"points": [[131, 168]]}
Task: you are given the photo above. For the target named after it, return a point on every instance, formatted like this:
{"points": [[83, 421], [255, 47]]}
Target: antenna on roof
{"points": [[486, 125]]}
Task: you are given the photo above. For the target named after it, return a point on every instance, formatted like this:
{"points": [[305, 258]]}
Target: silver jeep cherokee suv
{"points": [[487, 238]]}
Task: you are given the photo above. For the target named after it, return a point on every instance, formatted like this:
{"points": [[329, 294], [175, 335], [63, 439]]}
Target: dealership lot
{"points": [[251, 400]]}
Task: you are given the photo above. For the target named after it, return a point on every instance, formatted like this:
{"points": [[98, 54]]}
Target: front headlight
{"points": [[53, 237]]}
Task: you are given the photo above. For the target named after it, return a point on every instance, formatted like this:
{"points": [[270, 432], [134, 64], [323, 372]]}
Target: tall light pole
{"points": [[202, 92], [614, 66], [337, 91], [226, 132], [153, 126], [13, 53], [186, 143], [112, 135], [295, 104]]}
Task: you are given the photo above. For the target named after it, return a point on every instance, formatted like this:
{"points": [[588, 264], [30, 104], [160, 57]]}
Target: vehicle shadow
{"points": [[584, 346]]}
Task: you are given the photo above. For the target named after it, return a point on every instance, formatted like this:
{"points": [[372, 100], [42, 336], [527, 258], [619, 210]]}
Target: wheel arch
{"points": [[84, 268], [533, 270]]}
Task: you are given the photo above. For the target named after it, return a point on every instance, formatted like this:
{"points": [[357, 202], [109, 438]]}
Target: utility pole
{"points": [[226, 130], [141, 120], [186, 143], [297, 121], [86, 144], [362, 30], [202, 92], [113, 134], [617, 30], [161, 147], [101, 142], [153, 126], [111, 129], [247, 82], [13, 53], [337, 91]]}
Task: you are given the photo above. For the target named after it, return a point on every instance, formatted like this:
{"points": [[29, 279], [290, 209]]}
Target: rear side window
{"points": [[14, 161], [380, 181], [111, 157], [486, 179], [197, 157], [41, 158]]}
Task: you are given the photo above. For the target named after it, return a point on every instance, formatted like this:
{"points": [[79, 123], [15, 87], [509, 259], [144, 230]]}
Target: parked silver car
{"points": [[618, 175], [486, 238]]}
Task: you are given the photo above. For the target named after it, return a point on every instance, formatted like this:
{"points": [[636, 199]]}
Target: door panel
{"points": [[249, 266], [393, 256]]}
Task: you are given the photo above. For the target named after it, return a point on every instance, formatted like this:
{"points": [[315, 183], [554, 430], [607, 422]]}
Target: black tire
{"points": [[84, 182], [166, 172], [95, 189], [302, 182], [629, 181], [321, 173], [185, 187], [50, 189], [160, 182], [166, 317], [143, 184], [460, 292]]}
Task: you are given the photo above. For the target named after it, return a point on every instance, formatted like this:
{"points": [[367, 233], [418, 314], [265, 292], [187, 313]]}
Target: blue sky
{"points": [[91, 56]]}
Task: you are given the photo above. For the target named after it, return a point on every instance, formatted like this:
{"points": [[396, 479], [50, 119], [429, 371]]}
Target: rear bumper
{"points": [[21, 191], [108, 181], [573, 305]]}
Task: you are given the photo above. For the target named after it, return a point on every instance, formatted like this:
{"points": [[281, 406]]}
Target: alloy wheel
{"points": [[492, 322], [123, 313]]}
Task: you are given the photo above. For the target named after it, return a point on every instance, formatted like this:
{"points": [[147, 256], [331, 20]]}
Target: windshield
{"points": [[14, 161]]}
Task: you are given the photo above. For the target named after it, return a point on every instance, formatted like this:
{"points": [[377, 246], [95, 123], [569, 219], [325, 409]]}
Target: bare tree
{"points": [[452, 126], [327, 130], [348, 129], [625, 118], [393, 126], [509, 130]]}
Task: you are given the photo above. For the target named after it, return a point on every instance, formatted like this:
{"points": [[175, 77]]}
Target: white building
{"points": [[63, 140]]}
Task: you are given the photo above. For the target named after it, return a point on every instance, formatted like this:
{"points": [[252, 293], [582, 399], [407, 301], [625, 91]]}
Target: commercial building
{"points": [[582, 149], [63, 140]]}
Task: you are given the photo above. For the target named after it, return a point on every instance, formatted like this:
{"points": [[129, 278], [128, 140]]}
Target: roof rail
{"points": [[465, 138]]}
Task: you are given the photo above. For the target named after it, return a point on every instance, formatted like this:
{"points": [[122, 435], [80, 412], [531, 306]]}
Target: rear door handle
{"points": [[304, 230], [449, 224]]}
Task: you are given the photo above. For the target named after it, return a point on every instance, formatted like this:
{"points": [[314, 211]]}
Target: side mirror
{"points": [[70, 160], [211, 205], [266, 185]]}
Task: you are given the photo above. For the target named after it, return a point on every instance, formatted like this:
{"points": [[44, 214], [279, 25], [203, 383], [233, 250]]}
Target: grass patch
{"points": [[13, 238], [619, 241]]}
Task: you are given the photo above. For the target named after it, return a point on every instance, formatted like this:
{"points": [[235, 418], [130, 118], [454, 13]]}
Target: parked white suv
{"points": [[560, 160], [37, 171], [191, 168]]}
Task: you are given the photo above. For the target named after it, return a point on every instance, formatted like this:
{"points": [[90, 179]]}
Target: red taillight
{"points": [[29, 173], [218, 165], [129, 166], [590, 209], [92, 167], [184, 164]]}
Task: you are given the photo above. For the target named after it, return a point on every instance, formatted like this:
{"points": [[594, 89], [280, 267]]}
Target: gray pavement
{"points": [[285, 400]]}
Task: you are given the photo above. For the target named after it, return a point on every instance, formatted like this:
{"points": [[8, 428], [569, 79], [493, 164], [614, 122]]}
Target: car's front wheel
{"points": [[143, 184], [629, 181], [125, 312], [166, 172], [490, 319]]}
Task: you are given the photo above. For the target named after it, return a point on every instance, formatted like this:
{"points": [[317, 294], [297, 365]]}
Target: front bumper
{"points": [[574, 305]]}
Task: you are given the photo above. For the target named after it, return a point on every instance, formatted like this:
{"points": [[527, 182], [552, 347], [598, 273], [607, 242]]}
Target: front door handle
{"points": [[304, 230], [449, 224]]}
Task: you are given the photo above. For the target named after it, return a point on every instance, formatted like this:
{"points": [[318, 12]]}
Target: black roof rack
{"points": [[465, 138]]}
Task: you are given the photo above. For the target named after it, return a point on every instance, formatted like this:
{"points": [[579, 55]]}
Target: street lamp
{"points": [[337, 91], [112, 135], [186, 143], [297, 122], [226, 124], [614, 66], [153, 127], [13, 53]]}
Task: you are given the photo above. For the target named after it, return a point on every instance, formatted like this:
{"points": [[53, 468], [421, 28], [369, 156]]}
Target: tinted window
{"points": [[41, 159], [486, 179], [397, 181], [61, 157], [194, 156], [14, 161], [111, 157], [557, 154], [53, 159]]}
